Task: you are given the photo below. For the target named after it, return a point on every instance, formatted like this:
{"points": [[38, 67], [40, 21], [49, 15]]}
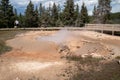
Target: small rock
{"points": [[95, 55], [1, 60], [17, 78], [84, 55], [112, 53], [77, 46], [118, 61]]}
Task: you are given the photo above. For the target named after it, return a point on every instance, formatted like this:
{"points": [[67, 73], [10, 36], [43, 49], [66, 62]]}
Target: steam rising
{"points": [[58, 38]]}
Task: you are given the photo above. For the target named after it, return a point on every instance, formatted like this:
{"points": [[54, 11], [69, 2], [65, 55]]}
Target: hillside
{"points": [[115, 18]]}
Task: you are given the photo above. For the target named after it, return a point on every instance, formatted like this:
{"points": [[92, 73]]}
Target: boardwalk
{"points": [[91, 27], [104, 27]]}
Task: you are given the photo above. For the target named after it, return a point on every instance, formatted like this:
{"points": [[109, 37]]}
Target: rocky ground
{"points": [[40, 55]]}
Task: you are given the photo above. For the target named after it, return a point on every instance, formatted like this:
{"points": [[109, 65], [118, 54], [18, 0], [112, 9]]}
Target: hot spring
{"points": [[58, 38]]}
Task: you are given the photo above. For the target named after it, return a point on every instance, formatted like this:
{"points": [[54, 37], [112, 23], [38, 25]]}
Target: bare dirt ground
{"points": [[36, 55]]}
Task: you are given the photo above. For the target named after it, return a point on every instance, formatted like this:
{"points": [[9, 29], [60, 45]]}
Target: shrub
{"points": [[3, 47]]}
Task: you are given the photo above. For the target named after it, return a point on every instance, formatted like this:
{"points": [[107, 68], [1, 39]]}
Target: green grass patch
{"points": [[87, 59], [4, 48], [74, 58]]}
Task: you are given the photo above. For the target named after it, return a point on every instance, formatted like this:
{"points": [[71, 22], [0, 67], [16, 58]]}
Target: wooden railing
{"points": [[91, 27], [103, 27], [115, 27]]}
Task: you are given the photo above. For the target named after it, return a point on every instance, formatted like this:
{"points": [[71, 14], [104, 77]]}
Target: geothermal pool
{"points": [[42, 53], [59, 37]]}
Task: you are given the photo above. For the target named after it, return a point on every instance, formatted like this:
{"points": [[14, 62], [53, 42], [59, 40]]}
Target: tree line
{"points": [[54, 16]]}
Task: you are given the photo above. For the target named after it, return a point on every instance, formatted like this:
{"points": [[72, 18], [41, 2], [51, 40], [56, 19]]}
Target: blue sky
{"points": [[20, 5]]}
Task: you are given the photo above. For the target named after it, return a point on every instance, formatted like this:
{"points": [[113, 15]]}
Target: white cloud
{"points": [[115, 2], [48, 3], [22, 3], [89, 3], [116, 8]]}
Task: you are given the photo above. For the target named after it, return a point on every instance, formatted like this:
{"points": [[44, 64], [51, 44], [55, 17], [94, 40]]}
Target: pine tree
{"points": [[15, 13], [35, 18], [60, 21], [6, 14], [49, 16], [77, 16], [21, 19], [103, 11], [54, 14], [31, 16], [95, 12], [44, 16], [84, 14], [77, 12], [11, 17], [1, 16], [45, 19], [68, 13], [41, 11], [95, 15]]}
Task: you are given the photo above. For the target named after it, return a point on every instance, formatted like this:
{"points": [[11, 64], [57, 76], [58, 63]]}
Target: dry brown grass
{"points": [[95, 69]]}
